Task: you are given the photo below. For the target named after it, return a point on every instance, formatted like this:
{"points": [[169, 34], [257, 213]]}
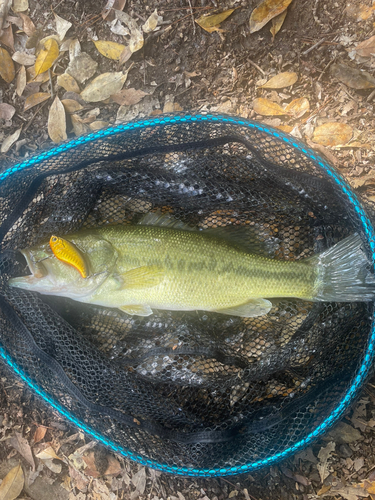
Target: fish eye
{"points": [[53, 239]]}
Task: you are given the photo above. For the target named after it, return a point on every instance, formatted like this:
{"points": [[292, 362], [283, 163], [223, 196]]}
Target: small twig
{"points": [[370, 97], [325, 69], [313, 46], [51, 83], [192, 16], [256, 66]]}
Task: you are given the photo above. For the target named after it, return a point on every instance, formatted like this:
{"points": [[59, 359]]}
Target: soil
{"points": [[196, 70]]}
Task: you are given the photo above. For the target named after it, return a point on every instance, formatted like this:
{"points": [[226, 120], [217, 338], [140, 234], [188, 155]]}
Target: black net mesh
{"points": [[188, 392]]}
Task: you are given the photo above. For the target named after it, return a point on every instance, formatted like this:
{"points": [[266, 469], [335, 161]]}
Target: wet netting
{"points": [[192, 393]]}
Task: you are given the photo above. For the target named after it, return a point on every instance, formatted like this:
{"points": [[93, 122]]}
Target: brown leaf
{"points": [[10, 140], [20, 5], [6, 111], [128, 96], [139, 480], [366, 48], [353, 77], [42, 78], [71, 106], [332, 134], [298, 107], [91, 469], [22, 446], [34, 99], [7, 37], [57, 126], [62, 26], [266, 11], [67, 82], [98, 125], [46, 452], [39, 434], [28, 25], [103, 86], [23, 58], [266, 107], [277, 23], [151, 22], [114, 466], [7, 71], [324, 455], [47, 56], [79, 127], [82, 67], [12, 484], [21, 81], [280, 81], [112, 5], [285, 128], [211, 23]]}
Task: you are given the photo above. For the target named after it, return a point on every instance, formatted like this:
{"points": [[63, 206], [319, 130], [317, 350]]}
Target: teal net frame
{"points": [[358, 378]]}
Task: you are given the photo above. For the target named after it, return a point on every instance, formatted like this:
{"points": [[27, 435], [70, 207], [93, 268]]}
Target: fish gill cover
{"points": [[188, 392]]}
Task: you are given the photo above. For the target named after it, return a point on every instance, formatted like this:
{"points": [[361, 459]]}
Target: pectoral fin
{"points": [[251, 309], [137, 310], [141, 277]]}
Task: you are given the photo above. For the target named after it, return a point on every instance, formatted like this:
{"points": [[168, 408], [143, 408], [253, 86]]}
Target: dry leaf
{"points": [[57, 132], [20, 5], [128, 96], [125, 56], [39, 434], [323, 456], [21, 81], [9, 141], [79, 127], [114, 466], [332, 134], [98, 125], [298, 107], [7, 71], [34, 99], [74, 49], [366, 48], [7, 37], [22, 446], [47, 56], [112, 50], [71, 106], [28, 25], [46, 451], [211, 23], [6, 111], [103, 86], [266, 107], [266, 11], [280, 81], [277, 22], [112, 5], [285, 128], [12, 484], [353, 77], [359, 12], [82, 67], [62, 26], [136, 36], [151, 22], [68, 83], [23, 58], [139, 480], [56, 468], [42, 78]]}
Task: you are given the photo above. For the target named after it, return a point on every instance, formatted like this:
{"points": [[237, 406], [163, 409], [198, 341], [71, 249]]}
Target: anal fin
{"points": [[251, 309], [137, 310]]}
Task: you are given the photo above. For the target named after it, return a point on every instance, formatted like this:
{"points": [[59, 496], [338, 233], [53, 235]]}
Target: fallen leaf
{"points": [[71, 106], [353, 77], [9, 141], [39, 434], [332, 134], [80, 481], [277, 22], [12, 484], [21, 81], [7, 71], [34, 40], [34, 99], [364, 180], [128, 96], [20, 5], [46, 452], [136, 36], [62, 26], [46, 56], [57, 132], [28, 25], [266, 11], [344, 433], [98, 125], [114, 466], [6, 111], [22, 446], [285, 128], [56, 468], [139, 480], [359, 12], [366, 48], [211, 23], [82, 67], [101, 491], [151, 22], [7, 38], [359, 463], [323, 455], [280, 81], [112, 50], [125, 55], [112, 5], [68, 83], [23, 58], [79, 127], [74, 49], [266, 107], [298, 107], [103, 86]]}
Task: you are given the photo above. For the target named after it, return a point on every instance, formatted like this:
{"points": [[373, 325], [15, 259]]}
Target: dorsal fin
{"points": [[164, 220]]}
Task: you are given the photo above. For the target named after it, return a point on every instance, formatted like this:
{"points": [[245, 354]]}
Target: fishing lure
{"points": [[67, 252]]}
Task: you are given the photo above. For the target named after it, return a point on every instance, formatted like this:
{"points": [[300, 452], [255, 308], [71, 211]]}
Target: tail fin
{"points": [[343, 273]]}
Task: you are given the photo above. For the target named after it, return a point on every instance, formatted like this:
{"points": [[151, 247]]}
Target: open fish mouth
{"points": [[38, 274]]}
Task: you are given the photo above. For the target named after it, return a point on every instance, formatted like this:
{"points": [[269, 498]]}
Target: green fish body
{"points": [[145, 267]]}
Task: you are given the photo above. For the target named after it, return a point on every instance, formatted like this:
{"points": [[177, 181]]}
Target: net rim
{"points": [[358, 378]]}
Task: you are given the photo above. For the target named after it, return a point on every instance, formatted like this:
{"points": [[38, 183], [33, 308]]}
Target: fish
{"points": [[161, 263]]}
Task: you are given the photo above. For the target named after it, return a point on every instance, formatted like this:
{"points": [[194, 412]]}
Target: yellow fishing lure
{"points": [[67, 252]]}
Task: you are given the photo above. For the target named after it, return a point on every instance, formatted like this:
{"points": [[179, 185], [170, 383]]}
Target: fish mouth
{"points": [[38, 273]]}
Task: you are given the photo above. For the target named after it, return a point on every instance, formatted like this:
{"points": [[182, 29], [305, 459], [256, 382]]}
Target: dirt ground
{"points": [[183, 67]]}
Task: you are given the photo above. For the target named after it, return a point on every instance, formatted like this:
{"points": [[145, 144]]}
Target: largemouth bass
{"points": [[144, 267]]}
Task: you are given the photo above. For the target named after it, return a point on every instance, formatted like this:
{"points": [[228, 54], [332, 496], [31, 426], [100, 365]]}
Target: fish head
{"points": [[52, 276]]}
